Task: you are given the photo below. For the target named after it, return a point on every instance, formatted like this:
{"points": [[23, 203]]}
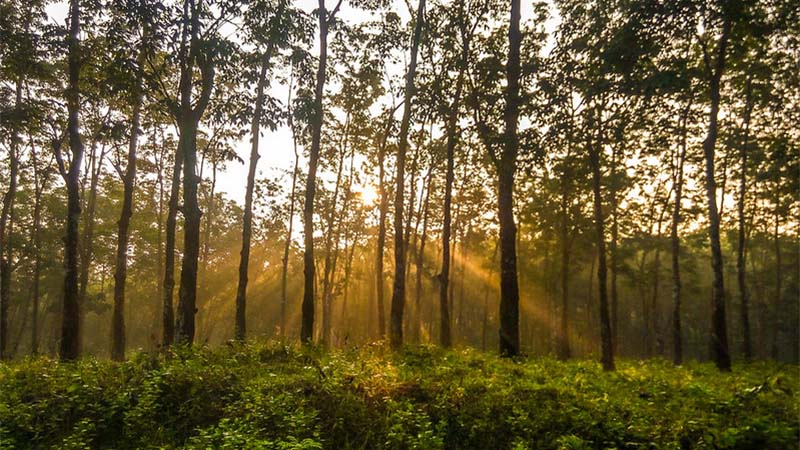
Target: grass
{"points": [[272, 396]]}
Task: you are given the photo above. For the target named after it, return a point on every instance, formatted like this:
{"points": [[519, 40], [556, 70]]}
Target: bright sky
{"points": [[276, 148]]}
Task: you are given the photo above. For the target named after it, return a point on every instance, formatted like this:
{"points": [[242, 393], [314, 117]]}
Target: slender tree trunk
{"points": [[337, 240], [121, 268], [39, 180], [613, 254], [160, 183], [307, 324], [70, 325], [741, 266], [6, 219], [564, 351], [654, 311], [399, 288], [331, 243], [776, 307], [607, 357], [421, 257], [240, 328], [168, 334], [719, 332], [677, 340], [381, 244], [287, 244], [188, 118], [506, 168], [445, 337], [412, 201], [348, 270], [444, 277]]}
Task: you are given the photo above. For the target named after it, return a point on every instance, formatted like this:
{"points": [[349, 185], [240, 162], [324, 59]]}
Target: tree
{"points": [[399, 287], [326, 19], [506, 164], [714, 70], [188, 114], [274, 36], [128, 176], [70, 322]]}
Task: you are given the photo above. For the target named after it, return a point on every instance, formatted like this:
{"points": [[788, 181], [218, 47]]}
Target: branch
{"points": [[56, 143], [332, 15], [206, 66]]}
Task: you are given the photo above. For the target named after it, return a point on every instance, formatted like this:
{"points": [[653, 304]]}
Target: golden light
{"points": [[369, 195]]}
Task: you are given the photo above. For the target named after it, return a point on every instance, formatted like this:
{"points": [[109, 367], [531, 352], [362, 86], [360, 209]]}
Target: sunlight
{"points": [[369, 195]]}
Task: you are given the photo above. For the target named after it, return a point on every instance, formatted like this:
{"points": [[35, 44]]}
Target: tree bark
{"points": [[719, 332], [86, 246], [307, 324], [168, 334], [121, 268], [564, 352], [613, 253], [607, 347], [6, 219], [741, 268], [675, 242], [240, 329], [331, 245], [506, 168], [383, 208], [421, 257], [287, 244], [39, 181], [399, 288], [776, 307], [445, 337], [188, 118], [70, 325]]}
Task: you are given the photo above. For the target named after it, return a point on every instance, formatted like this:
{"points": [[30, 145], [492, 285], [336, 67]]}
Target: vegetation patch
{"points": [[273, 396]]}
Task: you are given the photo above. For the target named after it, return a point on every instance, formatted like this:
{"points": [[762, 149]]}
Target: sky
{"points": [[276, 147]]}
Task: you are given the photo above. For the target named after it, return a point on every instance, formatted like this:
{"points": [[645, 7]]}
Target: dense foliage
{"points": [[275, 396]]}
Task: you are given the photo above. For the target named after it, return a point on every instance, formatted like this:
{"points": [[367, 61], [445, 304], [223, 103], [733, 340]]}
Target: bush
{"points": [[268, 396]]}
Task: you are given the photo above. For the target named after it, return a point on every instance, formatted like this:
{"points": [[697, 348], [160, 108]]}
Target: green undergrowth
{"points": [[271, 396]]}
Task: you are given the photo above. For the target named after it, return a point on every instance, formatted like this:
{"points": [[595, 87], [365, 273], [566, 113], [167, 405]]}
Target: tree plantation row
{"points": [[588, 179]]}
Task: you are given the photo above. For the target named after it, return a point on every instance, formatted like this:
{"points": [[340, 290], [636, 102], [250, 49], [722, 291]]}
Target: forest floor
{"points": [[271, 396]]}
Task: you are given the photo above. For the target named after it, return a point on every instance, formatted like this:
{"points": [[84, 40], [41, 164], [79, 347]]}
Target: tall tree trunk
{"points": [[719, 332], [331, 243], [6, 219], [677, 340], [86, 245], [399, 288], [607, 357], [168, 323], [655, 323], [383, 208], [121, 268], [188, 119], [445, 337], [70, 325], [39, 181], [506, 168], [613, 251], [421, 257], [307, 324], [563, 349], [160, 219], [741, 270], [287, 244], [776, 307], [337, 239], [240, 328]]}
